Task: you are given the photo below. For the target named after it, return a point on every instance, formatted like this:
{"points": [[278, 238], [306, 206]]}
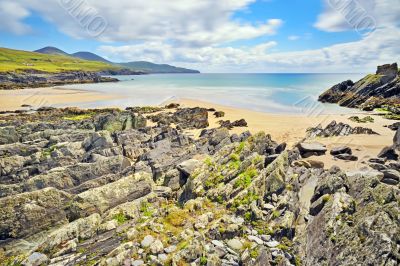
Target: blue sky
{"points": [[223, 36]]}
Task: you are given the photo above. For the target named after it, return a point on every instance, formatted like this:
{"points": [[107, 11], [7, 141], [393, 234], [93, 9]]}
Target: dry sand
{"points": [[11, 100]]}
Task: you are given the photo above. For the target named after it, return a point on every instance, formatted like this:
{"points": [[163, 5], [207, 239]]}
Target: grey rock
{"points": [[391, 177], [8, 135], [36, 259], [310, 149], [272, 244], [147, 241]]}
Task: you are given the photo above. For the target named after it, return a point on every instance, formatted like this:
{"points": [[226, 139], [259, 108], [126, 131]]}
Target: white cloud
{"points": [[343, 15], [293, 38], [377, 48], [11, 15], [185, 22]]}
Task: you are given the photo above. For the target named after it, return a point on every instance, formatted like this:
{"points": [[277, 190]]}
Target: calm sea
{"points": [[274, 93]]}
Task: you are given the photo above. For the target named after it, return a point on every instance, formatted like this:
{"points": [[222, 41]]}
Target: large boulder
{"points": [[8, 135], [101, 199], [119, 121], [29, 213], [188, 118]]}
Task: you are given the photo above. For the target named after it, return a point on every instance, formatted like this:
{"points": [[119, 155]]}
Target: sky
{"points": [[339, 36]]}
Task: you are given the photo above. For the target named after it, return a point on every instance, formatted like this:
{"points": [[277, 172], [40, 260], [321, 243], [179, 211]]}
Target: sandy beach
{"points": [[11, 100], [282, 127]]}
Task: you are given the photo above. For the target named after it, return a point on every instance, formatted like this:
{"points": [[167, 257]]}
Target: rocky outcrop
{"points": [[93, 187], [373, 91], [27, 79], [335, 129]]}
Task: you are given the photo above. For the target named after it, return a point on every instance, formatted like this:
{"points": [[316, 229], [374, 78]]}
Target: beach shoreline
{"points": [[287, 128]]}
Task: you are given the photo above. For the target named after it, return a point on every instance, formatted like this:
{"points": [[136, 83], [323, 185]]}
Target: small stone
{"points": [[272, 244], [265, 238], [391, 177], [36, 259], [162, 257], [218, 243], [147, 241], [268, 206], [156, 247], [256, 240], [170, 249], [131, 234], [235, 244]]}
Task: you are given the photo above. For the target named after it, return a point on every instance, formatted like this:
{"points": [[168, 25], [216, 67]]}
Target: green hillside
{"points": [[11, 60]]}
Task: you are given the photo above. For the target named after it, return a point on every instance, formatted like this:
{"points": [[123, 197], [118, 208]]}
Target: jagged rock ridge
{"points": [[373, 91]]}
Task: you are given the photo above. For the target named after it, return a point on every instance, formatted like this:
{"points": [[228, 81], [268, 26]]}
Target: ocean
{"points": [[272, 93]]}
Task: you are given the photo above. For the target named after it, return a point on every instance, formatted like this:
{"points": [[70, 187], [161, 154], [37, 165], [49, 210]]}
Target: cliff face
{"points": [[35, 79], [371, 92]]}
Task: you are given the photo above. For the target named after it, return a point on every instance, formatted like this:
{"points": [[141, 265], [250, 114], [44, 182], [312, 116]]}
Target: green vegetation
{"points": [[14, 60], [78, 117], [246, 200], [254, 253], [367, 119], [245, 178], [120, 218], [203, 260], [146, 210]]}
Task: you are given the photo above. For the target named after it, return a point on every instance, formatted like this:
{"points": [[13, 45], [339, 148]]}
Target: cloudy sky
{"points": [[214, 35]]}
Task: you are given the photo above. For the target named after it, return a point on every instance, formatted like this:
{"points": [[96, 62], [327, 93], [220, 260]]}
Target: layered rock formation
{"points": [[99, 187], [35, 79], [373, 91]]}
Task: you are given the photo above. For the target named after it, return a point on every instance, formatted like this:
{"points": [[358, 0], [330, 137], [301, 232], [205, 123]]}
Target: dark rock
{"points": [[172, 105], [391, 177], [389, 153], [229, 125], [219, 114], [338, 129], [377, 160], [310, 149], [346, 157], [280, 148], [191, 118], [375, 90], [394, 126], [341, 150]]}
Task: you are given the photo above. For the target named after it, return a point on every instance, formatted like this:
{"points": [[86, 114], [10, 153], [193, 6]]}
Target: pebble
{"points": [[256, 240], [147, 241], [218, 243], [235, 244], [272, 244], [162, 257], [137, 263], [170, 249]]}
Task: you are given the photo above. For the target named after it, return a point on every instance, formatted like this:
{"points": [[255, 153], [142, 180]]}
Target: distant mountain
{"points": [[156, 68], [51, 50], [16, 60], [137, 66], [90, 56]]}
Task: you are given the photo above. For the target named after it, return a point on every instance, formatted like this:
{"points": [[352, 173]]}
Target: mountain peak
{"points": [[51, 50]]}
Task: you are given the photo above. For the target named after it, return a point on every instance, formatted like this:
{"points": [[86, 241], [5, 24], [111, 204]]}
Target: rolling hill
{"points": [[137, 66], [156, 68], [90, 56], [14, 60]]}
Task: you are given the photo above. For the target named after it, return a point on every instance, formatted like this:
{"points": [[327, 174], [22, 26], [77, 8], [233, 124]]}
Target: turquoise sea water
{"points": [[274, 93]]}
